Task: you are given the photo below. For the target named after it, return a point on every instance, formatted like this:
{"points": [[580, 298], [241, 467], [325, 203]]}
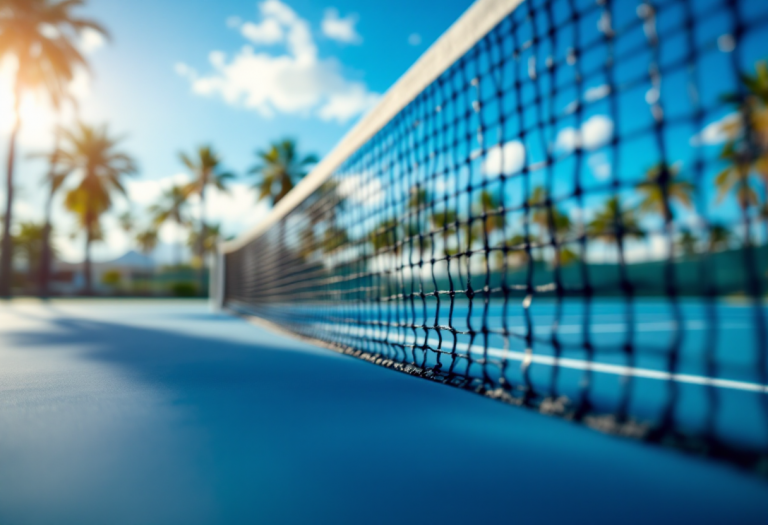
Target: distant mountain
{"points": [[130, 258]]}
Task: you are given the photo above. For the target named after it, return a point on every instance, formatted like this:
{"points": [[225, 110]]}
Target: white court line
{"points": [[604, 328], [607, 328], [562, 362], [620, 328]]}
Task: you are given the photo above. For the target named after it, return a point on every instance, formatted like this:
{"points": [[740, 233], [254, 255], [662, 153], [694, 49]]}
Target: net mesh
{"points": [[554, 222]]}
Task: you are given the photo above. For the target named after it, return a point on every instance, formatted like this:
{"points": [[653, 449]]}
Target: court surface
{"points": [[571, 347], [162, 412]]}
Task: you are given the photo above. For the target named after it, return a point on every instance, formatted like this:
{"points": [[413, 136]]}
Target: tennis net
{"points": [[561, 205]]}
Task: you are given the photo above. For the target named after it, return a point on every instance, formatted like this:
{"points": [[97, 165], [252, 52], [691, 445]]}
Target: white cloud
{"points": [[49, 31], [600, 166], [414, 39], [726, 43], [148, 192], [567, 139], [654, 248], [590, 95], [506, 159], [340, 29], [183, 70], [236, 209], [344, 105], [445, 185], [597, 92], [578, 215], [296, 82], [80, 87], [91, 41], [268, 31], [594, 133], [172, 233], [361, 189], [604, 23], [717, 132], [280, 11]]}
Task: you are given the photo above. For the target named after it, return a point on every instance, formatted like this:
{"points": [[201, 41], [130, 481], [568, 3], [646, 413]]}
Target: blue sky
{"points": [[137, 87]]}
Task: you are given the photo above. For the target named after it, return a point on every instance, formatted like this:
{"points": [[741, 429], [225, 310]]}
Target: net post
{"points": [[216, 281]]}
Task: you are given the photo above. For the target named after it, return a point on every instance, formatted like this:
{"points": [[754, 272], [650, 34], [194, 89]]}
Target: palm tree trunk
{"points": [[152, 273], [87, 263], [6, 257], [45, 255], [201, 243], [765, 211], [177, 248]]}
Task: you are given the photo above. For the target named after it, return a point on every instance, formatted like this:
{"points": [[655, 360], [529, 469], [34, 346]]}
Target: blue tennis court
{"points": [[620, 351], [527, 285], [162, 412]]}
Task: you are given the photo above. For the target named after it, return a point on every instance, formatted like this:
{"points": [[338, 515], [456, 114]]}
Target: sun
{"points": [[37, 115]]}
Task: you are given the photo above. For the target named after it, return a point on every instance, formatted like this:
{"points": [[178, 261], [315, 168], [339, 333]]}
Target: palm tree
{"points": [[444, 221], [687, 242], [559, 228], [322, 207], [29, 244], [172, 207], [54, 179], [418, 197], [755, 105], [88, 204], [39, 34], [475, 231], [519, 255], [661, 187], [146, 240], [542, 209], [386, 236], [735, 176], [92, 152], [205, 165], [334, 238], [212, 236], [719, 238], [613, 223], [126, 222], [279, 168], [417, 227], [539, 202], [747, 147], [490, 204]]}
